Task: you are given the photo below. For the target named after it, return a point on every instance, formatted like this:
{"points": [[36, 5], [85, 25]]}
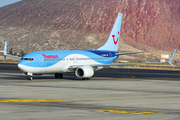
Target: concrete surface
{"points": [[88, 96], [117, 97]]}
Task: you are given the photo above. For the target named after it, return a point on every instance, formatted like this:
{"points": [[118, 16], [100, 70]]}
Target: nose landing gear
{"points": [[29, 76]]}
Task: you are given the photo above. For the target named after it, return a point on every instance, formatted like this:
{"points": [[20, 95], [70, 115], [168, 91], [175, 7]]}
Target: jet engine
{"points": [[84, 72]]}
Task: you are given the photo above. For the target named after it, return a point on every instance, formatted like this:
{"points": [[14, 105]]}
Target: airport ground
{"points": [[113, 93]]}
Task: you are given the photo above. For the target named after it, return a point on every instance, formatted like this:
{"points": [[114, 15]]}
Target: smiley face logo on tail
{"points": [[115, 41]]}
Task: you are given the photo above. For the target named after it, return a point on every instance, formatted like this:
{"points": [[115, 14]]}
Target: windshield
{"points": [[30, 59]]}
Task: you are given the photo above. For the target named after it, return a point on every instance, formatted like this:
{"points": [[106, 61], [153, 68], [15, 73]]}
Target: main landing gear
{"points": [[29, 77], [86, 78], [58, 75]]}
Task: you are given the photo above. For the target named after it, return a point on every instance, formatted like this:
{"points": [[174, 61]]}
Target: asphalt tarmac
{"points": [[111, 94], [108, 72]]}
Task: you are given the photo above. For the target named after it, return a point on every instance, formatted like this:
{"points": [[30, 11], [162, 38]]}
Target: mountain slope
{"points": [[78, 24]]}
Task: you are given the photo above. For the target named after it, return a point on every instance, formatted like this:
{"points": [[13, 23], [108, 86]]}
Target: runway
{"points": [[107, 72], [110, 94]]}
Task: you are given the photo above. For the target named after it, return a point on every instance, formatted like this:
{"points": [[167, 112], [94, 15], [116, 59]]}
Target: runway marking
{"points": [[30, 100], [129, 112]]}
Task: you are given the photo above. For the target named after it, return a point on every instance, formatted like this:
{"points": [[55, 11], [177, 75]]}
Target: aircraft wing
{"points": [[5, 52], [120, 64], [123, 64], [132, 53]]}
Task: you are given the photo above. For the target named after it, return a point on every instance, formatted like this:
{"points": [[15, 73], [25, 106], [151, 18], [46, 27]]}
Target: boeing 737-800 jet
{"points": [[82, 62]]}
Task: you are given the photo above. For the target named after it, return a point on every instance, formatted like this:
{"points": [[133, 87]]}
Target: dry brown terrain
{"points": [[31, 25]]}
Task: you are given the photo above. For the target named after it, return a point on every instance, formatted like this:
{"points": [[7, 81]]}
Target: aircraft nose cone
{"points": [[21, 67]]}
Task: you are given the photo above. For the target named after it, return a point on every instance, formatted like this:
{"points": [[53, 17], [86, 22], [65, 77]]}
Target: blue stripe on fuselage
{"points": [[103, 53], [49, 58]]}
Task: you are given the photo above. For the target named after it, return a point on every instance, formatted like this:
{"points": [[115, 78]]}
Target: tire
{"points": [[29, 77], [86, 78], [56, 75], [60, 75]]}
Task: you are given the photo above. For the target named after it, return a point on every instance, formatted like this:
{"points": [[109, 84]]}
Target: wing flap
{"points": [[132, 53]]}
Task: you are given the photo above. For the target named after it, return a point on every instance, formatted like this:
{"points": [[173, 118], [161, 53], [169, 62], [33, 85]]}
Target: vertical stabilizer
{"points": [[113, 40]]}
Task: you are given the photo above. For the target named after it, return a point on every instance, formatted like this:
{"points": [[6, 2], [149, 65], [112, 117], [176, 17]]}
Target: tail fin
{"points": [[113, 40]]}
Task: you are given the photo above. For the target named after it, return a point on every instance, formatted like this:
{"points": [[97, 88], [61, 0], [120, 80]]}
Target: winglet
{"points": [[172, 58], [5, 49], [5, 52]]}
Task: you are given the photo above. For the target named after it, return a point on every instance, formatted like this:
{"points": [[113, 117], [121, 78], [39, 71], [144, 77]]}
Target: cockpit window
{"points": [[30, 59]]}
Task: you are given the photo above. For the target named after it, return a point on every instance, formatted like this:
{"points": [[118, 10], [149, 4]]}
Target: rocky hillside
{"points": [[31, 25]]}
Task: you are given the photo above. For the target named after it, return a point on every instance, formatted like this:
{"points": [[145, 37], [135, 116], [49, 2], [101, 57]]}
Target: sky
{"points": [[7, 2]]}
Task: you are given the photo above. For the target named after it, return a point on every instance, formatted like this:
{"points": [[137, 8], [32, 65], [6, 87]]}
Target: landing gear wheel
{"points": [[60, 75], [56, 75], [29, 77], [86, 78]]}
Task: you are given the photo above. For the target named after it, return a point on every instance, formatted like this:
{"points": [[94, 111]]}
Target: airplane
{"points": [[82, 62]]}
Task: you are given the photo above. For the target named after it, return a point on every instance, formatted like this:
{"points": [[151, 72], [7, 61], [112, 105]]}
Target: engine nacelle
{"points": [[84, 72]]}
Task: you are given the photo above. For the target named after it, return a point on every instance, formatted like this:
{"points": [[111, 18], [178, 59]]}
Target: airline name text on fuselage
{"points": [[50, 56]]}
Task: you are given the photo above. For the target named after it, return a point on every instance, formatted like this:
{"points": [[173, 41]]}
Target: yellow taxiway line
{"points": [[130, 112], [100, 111], [30, 100]]}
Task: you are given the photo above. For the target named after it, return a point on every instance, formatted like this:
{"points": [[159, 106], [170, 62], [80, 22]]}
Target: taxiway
{"points": [[110, 94]]}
